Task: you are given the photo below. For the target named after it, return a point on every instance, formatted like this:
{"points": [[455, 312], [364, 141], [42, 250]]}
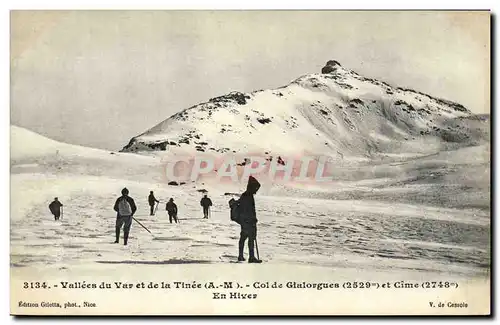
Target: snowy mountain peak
{"points": [[335, 112]]}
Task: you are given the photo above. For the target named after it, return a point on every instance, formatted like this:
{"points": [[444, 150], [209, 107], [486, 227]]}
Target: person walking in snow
{"points": [[171, 208], [125, 208], [248, 220], [152, 201], [206, 203], [55, 208]]}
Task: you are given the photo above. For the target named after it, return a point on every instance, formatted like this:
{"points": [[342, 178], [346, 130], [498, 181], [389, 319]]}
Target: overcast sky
{"points": [[99, 78]]}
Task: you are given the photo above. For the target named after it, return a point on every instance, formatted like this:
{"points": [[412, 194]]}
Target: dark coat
{"points": [[206, 202], [171, 207], [152, 200], [129, 200], [55, 207], [247, 213]]}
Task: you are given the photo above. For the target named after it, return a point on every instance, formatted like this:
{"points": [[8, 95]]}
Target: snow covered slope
{"points": [[376, 222], [43, 168], [33, 152], [409, 200], [337, 112]]}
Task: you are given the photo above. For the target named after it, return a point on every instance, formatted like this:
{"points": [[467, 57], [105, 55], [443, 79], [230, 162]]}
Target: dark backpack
{"points": [[124, 208], [234, 205], [170, 206]]}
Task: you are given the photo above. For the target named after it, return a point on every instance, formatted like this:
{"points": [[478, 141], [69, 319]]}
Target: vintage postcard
{"points": [[250, 162]]}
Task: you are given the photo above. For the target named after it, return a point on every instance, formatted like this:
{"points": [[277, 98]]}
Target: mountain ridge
{"points": [[337, 111]]}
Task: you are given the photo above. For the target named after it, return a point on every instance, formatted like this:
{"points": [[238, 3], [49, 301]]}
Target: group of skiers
{"points": [[242, 211], [171, 207]]}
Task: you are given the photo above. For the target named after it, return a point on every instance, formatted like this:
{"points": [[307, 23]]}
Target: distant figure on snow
{"points": [[171, 208], [248, 220], [55, 208], [125, 209], [152, 201], [206, 203]]}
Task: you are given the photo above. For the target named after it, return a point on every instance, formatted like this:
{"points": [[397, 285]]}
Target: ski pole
{"points": [[157, 204], [142, 226], [62, 212], [257, 248]]}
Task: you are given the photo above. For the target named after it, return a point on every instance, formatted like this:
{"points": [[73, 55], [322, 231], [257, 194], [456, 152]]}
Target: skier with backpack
{"points": [[125, 208], [243, 212], [206, 203], [152, 201], [55, 208], [171, 208]]}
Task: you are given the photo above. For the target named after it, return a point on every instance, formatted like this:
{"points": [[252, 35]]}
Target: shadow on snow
{"points": [[172, 261]]}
